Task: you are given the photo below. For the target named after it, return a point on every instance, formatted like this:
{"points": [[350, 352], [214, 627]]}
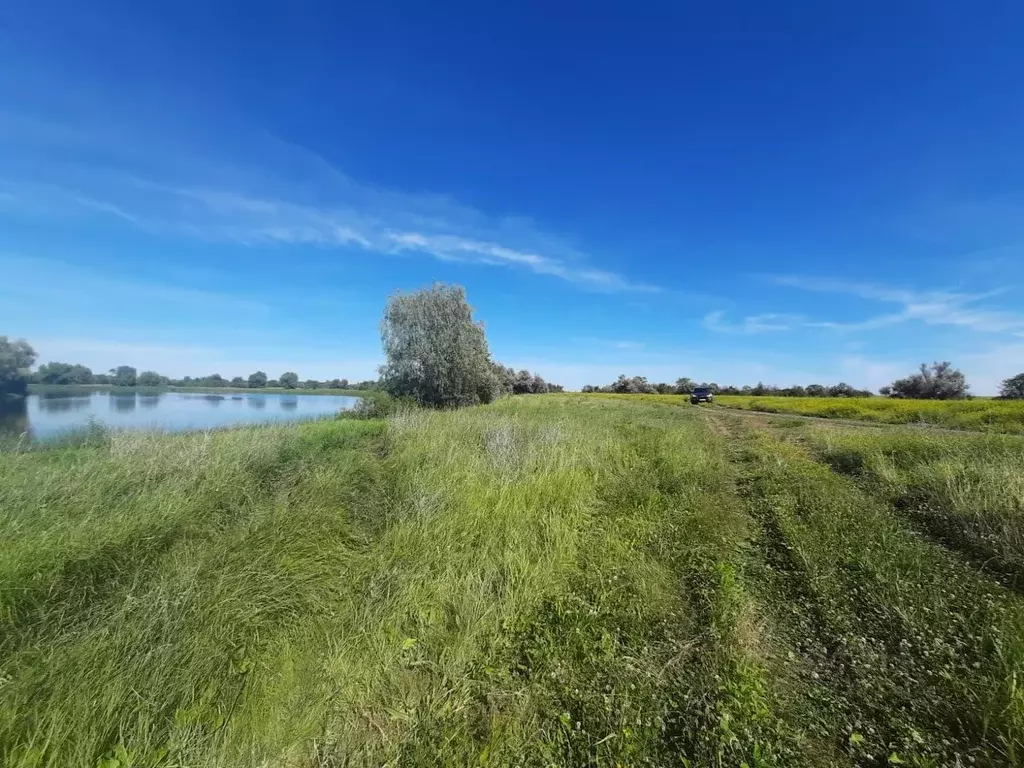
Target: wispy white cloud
{"points": [[294, 197], [971, 311], [753, 324], [255, 220], [104, 207], [613, 343], [933, 307], [44, 283]]}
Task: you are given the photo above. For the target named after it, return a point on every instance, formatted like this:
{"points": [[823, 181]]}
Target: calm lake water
{"points": [[46, 416]]}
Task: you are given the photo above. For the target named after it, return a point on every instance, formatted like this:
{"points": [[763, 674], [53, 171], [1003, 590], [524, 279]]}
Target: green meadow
{"points": [[547, 580], [983, 414]]}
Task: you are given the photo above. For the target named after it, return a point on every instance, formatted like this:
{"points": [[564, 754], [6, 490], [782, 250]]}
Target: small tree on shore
{"points": [[149, 379], [436, 353], [16, 359], [1013, 388], [289, 380], [257, 380], [123, 376], [939, 381]]}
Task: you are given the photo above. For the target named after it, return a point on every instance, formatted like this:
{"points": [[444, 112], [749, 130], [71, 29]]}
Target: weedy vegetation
{"points": [[986, 415], [545, 580]]}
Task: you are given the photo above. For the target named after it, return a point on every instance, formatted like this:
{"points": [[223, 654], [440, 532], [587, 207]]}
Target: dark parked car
{"points": [[701, 395]]}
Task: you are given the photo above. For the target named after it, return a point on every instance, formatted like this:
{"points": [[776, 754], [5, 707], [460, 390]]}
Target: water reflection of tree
{"points": [[289, 403], [213, 400], [258, 402], [123, 403], [61, 403], [149, 402], [13, 418]]}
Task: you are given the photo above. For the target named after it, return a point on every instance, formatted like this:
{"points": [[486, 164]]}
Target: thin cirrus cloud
{"points": [[215, 215], [103, 207], [613, 343], [378, 228], [288, 196], [764, 323], [932, 307], [36, 283]]}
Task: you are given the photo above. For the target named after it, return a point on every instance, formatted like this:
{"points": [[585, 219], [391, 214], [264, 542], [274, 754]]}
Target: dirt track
{"points": [[841, 422]]}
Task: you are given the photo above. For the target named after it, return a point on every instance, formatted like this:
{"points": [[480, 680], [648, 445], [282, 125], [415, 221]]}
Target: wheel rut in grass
{"points": [[987, 537], [817, 669], [895, 637], [652, 656]]}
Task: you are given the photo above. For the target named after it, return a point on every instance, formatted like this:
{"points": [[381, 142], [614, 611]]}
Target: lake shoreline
{"points": [[72, 389], [50, 416], [97, 434]]}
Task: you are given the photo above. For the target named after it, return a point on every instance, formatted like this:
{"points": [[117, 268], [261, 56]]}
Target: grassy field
{"points": [[982, 414], [549, 580]]}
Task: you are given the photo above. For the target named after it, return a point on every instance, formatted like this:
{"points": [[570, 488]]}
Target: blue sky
{"points": [[732, 192]]}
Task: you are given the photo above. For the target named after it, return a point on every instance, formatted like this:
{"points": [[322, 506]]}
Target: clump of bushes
{"points": [[522, 382], [939, 381], [378, 405]]}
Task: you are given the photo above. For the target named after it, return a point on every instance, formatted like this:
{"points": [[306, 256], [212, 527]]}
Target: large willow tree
{"points": [[436, 353]]}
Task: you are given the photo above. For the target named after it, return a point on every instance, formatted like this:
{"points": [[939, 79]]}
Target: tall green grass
{"points": [[144, 580], [342, 591], [984, 415], [967, 490], [908, 655], [549, 580]]}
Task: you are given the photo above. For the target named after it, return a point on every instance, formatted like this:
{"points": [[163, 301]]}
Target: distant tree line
{"points": [[938, 381], [522, 382], [437, 355], [17, 358], [684, 386], [57, 373]]}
